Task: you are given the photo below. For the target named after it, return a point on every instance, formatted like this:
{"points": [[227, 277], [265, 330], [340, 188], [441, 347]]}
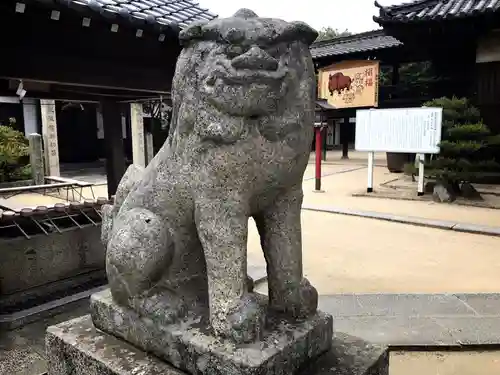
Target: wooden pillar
{"points": [[395, 74], [30, 114], [344, 137], [113, 139], [148, 138], [336, 129]]}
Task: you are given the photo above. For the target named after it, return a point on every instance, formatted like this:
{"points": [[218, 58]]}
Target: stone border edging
{"points": [[335, 173], [19, 318], [416, 322], [411, 220]]}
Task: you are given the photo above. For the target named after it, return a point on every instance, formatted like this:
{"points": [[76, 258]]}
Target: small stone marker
{"points": [[36, 158]]}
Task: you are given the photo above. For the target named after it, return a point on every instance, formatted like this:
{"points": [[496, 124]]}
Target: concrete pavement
{"points": [[346, 254], [339, 187], [411, 220]]}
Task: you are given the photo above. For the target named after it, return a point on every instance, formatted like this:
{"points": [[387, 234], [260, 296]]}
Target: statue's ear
{"points": [[301, 31], [192, 32]]}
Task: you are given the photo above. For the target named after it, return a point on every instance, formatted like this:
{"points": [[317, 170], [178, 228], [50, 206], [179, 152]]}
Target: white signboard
{"points": [[407, 130]]}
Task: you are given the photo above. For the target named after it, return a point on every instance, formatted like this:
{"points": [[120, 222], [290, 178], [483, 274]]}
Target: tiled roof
{"points": [[423, 10], [153, 12], [369, 41]]}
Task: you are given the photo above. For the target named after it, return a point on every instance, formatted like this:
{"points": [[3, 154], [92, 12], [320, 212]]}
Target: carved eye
{"points": [[234, 51]]}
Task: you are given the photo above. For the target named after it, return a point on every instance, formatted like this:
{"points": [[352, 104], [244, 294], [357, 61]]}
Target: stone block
{"points": [[36, 158], [190, 345], [43, 268], [76, 347]]}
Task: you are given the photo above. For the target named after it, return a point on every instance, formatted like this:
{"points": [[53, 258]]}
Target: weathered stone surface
{"points": [[243, 110], [77, 348], [190, 345], [43, 268], [468, 191], [36, 158], [482, 304], [443, 193]]}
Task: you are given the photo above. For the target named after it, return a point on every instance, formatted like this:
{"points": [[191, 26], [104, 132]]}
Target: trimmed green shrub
{"points": [[468, 151], [14, 155]]}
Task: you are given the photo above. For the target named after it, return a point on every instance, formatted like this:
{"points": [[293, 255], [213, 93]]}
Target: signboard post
{"points": [[371, 159], [421, 161], [405, 130]]}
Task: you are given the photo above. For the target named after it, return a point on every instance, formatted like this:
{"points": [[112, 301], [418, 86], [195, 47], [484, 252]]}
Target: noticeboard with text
{"points": [[405, 130], [350, 84]]}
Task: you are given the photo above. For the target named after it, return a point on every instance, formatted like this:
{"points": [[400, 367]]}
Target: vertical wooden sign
{"points": [[49, 133], [137, 128]]}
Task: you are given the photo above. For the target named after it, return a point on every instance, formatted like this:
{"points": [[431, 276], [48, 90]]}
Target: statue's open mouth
{"points": [[230, 75], [247, 76]]}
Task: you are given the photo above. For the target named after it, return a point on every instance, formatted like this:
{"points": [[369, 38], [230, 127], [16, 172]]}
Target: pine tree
{"points": [[468, 151]]}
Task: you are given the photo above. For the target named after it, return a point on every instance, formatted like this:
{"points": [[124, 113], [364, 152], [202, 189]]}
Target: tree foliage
{"points": [[14, 154], [468, 150], [327, 33]]}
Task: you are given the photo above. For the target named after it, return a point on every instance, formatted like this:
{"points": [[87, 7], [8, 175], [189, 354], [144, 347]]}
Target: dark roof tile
{"points": [[160, 12], [423, 10], [369, 41]]}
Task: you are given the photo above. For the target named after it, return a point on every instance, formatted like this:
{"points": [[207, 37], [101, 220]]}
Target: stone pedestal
{"points": [[189, 345], [76, 347]]}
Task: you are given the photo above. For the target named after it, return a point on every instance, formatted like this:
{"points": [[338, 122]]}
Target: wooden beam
{"points": [[85, 72], [64, 51], [113, 138], [73, 93]]}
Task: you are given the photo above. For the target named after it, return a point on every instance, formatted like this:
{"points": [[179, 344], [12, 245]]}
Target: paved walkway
{"points": [[346, 254], [342, 178], [417, 319]]}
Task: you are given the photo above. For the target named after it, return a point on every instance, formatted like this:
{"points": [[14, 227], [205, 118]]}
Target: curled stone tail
{"points": [[128, 182]]}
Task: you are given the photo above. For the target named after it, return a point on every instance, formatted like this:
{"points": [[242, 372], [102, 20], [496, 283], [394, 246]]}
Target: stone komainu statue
{"points": [[243, 110]]}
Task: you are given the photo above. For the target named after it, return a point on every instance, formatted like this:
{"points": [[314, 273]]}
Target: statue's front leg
{"points": [[223, 232], [281, 239]]}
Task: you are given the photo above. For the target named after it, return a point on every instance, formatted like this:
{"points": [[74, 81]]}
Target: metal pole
{"points": [[371, 161], [421, 185], [318, 158], [325, 130]]}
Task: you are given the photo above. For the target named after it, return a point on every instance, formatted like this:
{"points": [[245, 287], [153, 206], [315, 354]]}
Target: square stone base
{"points": [[76, 347], [189, 345]]}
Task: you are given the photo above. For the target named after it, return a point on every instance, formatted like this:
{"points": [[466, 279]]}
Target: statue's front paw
{"points": [[297, 302], [243, 324], [161, 306]]}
